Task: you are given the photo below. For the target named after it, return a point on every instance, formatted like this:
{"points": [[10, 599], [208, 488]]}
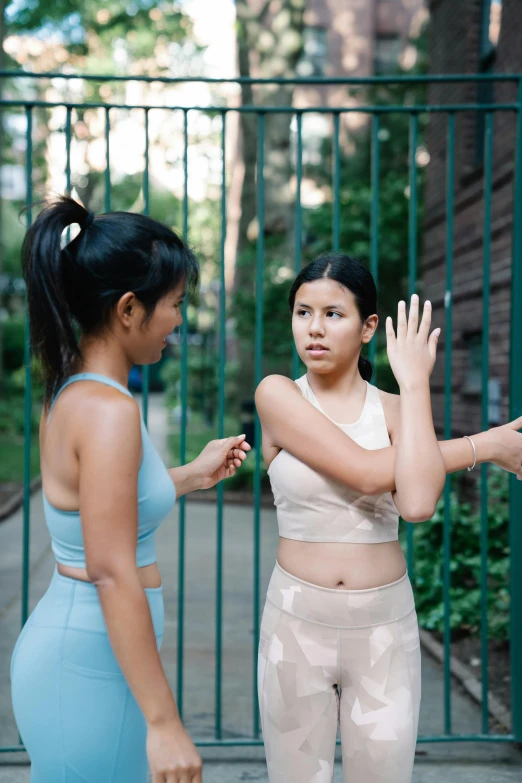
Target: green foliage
{"points": [[92, 29], [465, 563], [12, 459], [13, 343]]}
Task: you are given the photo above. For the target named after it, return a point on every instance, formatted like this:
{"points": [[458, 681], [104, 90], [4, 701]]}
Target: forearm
{"points": [[419, 467], [457, 454], [186, 479], [129, 624]]}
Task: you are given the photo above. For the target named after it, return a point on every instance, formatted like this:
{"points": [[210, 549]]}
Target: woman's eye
{"points": [[332, 313], [302, 312]]}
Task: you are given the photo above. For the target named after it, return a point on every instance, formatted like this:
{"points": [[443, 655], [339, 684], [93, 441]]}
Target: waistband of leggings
{"points": [[72, 603], [340, 608]]}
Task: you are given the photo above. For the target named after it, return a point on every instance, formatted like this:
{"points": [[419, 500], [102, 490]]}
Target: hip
{"points": [[67, 628]]}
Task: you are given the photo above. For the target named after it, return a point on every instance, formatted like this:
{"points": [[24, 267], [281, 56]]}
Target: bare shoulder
{"points": [[274, 385], [107, 416]]}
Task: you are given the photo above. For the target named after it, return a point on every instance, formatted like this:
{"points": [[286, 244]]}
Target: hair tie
{"points": [[88, 220]]}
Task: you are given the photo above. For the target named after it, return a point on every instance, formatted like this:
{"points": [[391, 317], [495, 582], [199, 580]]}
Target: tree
{"points": [[269, 43]]}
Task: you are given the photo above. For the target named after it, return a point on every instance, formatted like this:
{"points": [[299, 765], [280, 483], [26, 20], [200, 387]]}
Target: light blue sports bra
{"points": [[156, 498]]}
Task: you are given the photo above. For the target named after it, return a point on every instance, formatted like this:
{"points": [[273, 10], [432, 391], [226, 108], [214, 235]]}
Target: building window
{"points": [[315, 50], [387, 51], [489, 36]]}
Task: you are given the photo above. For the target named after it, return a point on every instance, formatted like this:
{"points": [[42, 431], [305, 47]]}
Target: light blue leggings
{"points": [[75, 713]]}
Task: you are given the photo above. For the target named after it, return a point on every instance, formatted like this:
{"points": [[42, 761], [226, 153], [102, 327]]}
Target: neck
{"points": [[104, 357], [346, 381]]}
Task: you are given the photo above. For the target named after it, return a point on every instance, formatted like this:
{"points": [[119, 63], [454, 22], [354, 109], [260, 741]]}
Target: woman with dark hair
{"points": [[90, 696], [339, 641]]}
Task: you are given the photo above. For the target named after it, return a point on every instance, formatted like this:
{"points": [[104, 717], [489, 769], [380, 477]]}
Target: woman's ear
{"points": [[369, 328], [126, 308]]}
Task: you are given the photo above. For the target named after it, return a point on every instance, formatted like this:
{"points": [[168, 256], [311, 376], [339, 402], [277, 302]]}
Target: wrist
{"points": [[168, 717], [414, 386], [195, 477], [484, 446]]}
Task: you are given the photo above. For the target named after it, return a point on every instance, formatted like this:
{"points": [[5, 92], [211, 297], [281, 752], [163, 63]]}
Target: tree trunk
{"points": [[273, 32]]}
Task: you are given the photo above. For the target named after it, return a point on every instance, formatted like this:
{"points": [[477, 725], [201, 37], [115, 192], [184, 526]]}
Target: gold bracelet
{"points": [[474, 452]]}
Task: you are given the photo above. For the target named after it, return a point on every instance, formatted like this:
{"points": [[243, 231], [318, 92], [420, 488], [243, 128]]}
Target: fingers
{"points": [[426, 320], [239, 440], [408, 325], [402, 325], [390, 333], [433, 342], [413, 319], [516, 424]]}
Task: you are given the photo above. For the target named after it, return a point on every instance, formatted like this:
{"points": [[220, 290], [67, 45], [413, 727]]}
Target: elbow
{"points": [[417, 512], [105, 575]]}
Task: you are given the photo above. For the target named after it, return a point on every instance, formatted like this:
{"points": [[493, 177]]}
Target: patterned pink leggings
{"points": [[348, 658]]}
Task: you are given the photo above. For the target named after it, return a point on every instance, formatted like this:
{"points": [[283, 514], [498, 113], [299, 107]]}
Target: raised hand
{"points": [[220, 459], [412, 352]]}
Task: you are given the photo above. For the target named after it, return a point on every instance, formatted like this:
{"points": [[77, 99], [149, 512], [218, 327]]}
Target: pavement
{"points": [[454, 762]]}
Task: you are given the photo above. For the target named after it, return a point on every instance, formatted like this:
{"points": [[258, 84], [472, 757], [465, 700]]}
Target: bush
{"points": [[465, 564]]}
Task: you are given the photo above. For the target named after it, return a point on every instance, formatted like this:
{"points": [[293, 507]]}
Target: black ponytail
{"points": [[353, 276], [73, 289]]}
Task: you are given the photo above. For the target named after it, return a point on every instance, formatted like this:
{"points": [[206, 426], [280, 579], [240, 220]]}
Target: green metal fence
{"points": [[375, 112]]}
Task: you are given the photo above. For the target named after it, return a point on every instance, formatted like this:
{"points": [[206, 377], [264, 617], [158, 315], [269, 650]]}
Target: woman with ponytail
{"points": [[339, 640], [90, 696]]}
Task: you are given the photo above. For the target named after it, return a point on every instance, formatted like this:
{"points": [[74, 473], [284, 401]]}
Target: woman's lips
{"points": [[317, 351]]}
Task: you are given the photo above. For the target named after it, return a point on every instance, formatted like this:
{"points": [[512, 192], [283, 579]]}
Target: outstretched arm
{"points": [[292, 423]]}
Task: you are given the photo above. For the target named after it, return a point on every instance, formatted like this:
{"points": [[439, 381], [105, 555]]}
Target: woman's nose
{"points": [[316, 326]]}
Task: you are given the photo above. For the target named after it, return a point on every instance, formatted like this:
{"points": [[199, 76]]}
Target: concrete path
{"points": [[453, 762]]}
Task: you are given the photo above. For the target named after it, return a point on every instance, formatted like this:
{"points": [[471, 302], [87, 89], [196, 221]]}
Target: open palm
{"points": [[412, 352]]}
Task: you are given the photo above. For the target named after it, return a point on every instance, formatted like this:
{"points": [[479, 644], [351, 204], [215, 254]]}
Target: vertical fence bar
{"points": [[336, 185], [412, 278], [298, 223], [221, 430], [107, 161], [448, 304], [28, 381], [515, 407], [258, 377], [182, 445], [374, 223], [146, 210], [68, 134], [488, 169]]}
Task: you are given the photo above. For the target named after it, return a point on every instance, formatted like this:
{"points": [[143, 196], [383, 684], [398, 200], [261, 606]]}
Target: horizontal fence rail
{"points": [[414, 114]]}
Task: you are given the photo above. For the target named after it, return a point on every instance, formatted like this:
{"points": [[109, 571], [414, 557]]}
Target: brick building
{"points": [[483, 37], [355, 38]]}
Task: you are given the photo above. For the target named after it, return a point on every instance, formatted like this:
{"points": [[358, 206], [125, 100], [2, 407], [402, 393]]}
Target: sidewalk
{"points": [[454, 762]]}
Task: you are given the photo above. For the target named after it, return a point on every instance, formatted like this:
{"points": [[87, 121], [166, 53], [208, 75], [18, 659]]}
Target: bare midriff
{"points": [[149, 575], [341, 565]]}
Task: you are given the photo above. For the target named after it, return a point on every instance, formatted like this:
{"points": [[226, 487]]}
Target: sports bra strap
{"points": [[89, 376]]}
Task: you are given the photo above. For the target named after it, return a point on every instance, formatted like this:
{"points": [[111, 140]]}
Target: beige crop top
{"points": [[311, 507]]}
